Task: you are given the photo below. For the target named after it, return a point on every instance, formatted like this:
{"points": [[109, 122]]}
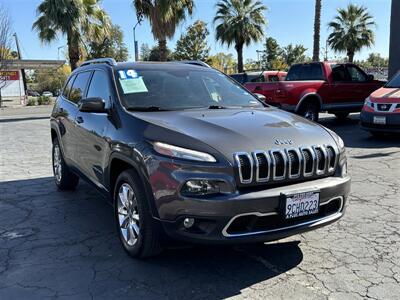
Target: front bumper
{"points": [[392, 122], [214, 218]]}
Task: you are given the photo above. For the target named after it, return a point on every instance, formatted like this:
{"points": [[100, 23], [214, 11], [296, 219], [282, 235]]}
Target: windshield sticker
{"points": [[133, 85], [127, 74]]}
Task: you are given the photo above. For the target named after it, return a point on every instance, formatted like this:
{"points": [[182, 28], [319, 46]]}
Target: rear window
{"points": [[305, 72]]}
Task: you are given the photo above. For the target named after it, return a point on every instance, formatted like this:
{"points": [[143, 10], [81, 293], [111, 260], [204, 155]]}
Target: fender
{"points": [[307, 93], [136, 162]]}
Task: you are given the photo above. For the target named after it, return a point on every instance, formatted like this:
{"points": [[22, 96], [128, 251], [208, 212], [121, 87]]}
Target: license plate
{"points": [[301, 204], [380, 120]]}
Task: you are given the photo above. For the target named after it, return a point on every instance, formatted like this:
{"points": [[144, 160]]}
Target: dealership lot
{"points": [[63, 244]]}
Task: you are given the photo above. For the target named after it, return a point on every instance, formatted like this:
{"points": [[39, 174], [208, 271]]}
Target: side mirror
{"points": [[260, 97], [94, 105], [370, 77]]}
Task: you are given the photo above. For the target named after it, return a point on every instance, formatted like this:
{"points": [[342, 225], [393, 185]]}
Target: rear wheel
{"points": [[63, 177], [341, 115], [310, 111], [139, 233]]}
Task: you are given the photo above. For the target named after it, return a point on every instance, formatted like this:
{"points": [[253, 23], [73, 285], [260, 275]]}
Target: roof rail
{"points": [[107, 60], [194, 62]]}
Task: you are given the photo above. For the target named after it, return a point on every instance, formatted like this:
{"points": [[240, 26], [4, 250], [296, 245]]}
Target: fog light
{"points": [[188, 222]]}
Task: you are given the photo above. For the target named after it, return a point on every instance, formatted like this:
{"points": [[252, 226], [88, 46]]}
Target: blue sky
{"points": [[289, 21]]}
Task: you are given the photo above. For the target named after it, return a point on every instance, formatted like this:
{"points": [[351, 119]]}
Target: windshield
{"points": [[174, 88], [395, 82]]}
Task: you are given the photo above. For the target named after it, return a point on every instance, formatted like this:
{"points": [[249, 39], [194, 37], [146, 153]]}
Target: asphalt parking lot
{"points": [[63, 244]]}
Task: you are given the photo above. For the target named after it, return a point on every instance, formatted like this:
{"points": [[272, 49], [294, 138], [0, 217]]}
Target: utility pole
{"points": [[20, 57], [58, 51]]}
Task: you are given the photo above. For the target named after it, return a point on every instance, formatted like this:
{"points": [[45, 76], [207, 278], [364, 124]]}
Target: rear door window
{"points": [[79, 86], [67, 87]]}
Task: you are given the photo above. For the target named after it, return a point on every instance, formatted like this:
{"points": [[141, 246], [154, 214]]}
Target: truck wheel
{"points": [[63, 177], [341, 115], [310, 111], [139, 233]]}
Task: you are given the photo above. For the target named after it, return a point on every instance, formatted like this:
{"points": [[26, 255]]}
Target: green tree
{"points": [[223, 62], [153, 54], [293, 54], [50, 80], [317, 29], [164, 16], [272, 52], [111, 45], [145, 52], [79, 20], [193, 44], [351, 30], [239, 22]]}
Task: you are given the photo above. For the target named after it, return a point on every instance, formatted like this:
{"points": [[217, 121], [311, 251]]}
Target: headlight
{"points": [[202, 187], [182, 153], [368, 103], [338, 140]]}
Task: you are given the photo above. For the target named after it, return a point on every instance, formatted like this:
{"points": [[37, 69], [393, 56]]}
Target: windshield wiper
{"points": [[216, 107], [146, 108]]}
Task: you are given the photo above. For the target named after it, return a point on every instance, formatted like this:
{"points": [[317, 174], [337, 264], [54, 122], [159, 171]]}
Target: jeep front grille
{"points": [[276, 165]]}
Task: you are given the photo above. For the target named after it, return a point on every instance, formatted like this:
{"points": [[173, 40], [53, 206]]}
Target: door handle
{"points": [[79, 120]]}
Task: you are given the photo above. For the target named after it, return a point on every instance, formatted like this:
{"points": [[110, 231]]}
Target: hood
{"points": [[386, 95], [236, 130]]}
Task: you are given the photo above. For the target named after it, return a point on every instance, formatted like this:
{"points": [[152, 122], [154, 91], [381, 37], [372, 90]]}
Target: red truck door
{"points": [[362, 86]]}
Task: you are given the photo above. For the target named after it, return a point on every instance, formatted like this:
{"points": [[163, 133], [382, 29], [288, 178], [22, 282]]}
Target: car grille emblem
{"points": [[283, 142]]}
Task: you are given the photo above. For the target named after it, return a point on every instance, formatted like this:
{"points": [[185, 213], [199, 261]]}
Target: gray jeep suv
{"points": [[183, 151]]}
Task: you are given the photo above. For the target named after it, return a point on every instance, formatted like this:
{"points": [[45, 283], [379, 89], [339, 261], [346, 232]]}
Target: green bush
{"points": [[31, 102], [43, 100]]}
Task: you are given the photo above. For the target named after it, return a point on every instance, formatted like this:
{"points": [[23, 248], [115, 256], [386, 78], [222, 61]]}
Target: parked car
{"points": [[314, 87], [259, 76], [47, 94], [181, 151], [32, 93], [381, 111]]}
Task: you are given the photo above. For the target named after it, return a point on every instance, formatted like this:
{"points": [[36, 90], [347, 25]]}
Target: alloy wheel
{"points": [[57, 164], [128, 214]]}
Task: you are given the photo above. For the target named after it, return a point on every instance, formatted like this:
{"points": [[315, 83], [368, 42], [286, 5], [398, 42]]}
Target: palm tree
{"points": [[351, 30], [240, 22], [79, 20], [164, 16], [317, 29]]}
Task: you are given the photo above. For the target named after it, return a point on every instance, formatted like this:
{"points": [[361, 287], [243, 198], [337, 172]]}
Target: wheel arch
{"points": [[312, 96]]}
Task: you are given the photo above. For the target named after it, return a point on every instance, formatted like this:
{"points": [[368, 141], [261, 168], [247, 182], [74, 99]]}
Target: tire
{"points": [[310, 111], [341, 115], [138, 232], [63, 177]]}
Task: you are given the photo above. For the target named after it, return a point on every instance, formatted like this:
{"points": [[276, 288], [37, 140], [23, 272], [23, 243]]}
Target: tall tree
{"points": [[351, 30], [223, 62], [193, 44], [79, 20], [239, 22], [5, 34], [164, 16], [317, 29], [110, 46], [272, 52], [293, 54]]}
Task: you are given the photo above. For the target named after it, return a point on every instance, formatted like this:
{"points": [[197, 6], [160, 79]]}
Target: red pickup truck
{"points": [[310, 88]]}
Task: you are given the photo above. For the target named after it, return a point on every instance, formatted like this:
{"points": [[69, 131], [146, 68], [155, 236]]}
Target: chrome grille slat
{"points": [[291, 163]]}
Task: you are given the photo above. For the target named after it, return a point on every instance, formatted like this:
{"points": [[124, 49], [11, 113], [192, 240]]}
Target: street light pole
{"points": [[135, 43], [20, 57], [58, 52]]}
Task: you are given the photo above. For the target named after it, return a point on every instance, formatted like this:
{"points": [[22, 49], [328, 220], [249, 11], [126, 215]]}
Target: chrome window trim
{"points": [[281, 152], [315, 222], [265, 179], [237, 160], [308, 174], [300, 157]]}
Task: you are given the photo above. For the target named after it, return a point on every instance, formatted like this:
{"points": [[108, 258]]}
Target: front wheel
{"points": [[139, 233], [310, 111]]}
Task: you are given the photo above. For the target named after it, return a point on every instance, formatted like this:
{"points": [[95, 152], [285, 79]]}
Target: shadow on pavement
{"points": [[64, 243], [354, 137]]}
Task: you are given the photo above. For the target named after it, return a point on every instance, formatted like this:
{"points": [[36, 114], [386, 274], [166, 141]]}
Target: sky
{"points": [[289, 21]]}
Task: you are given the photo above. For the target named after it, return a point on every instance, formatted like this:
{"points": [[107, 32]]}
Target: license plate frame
{"points": [[300, 204], [379, 120]]}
